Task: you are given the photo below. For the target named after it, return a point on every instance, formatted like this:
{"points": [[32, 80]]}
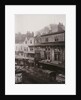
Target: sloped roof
{"points": [[53, 33], [20, 38]]}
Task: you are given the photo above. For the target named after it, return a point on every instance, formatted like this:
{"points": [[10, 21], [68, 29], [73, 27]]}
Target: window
{"points": [[25, 42], [31, 41], [26, 55], [57, 55], [40, 40], [46, 48], [49, 48], [46, 39], [31, 49], [24, 49], [21, 54], [48, 55], [56, 38], [27, 48]]}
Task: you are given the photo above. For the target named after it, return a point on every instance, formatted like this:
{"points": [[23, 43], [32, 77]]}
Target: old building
{"points": [[21, 49], [52, 46], [25, 49], [31, 51]]}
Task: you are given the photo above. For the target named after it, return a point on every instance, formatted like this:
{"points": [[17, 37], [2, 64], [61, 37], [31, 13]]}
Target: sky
{"points": [[35, 22]]}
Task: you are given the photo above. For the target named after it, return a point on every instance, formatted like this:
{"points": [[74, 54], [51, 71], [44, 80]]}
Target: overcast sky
{"points": [[35, 22]]}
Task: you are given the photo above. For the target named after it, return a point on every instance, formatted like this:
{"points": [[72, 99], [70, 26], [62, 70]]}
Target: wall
{"points": [[31, 45], [51, 38]]}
